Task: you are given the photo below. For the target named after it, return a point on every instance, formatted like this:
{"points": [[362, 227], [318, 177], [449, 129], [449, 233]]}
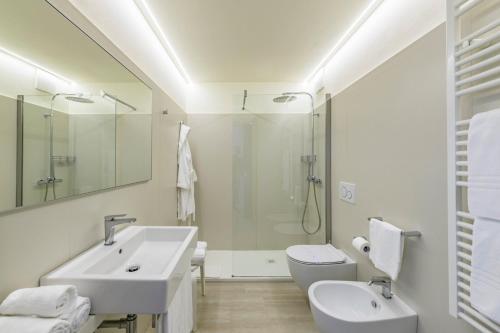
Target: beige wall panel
{"points": [[389, 138]]}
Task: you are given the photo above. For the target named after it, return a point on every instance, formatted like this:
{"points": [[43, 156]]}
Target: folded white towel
{"points": [[199, 256], [485, 275], [11, 324], [199, 252], [47, 301], [484, 165], [79, 316], [202, 245], [179, 317], [387, 246]]}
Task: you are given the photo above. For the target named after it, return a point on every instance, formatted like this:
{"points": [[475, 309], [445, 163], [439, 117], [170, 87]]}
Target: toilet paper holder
{"points": [[412, 233]]}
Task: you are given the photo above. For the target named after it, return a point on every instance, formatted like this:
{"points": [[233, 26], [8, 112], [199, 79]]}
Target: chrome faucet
{"points": [[385, 283], [110, 221]]}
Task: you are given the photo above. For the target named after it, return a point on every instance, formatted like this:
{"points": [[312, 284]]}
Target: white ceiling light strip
{"points": [[365, 15], [155, 26]]}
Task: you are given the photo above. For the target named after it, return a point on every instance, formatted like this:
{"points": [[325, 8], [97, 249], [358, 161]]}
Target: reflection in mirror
{"points": [[133, 145], [73, 120]]}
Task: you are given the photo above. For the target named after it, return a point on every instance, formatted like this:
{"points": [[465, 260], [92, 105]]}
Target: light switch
{"points": [[347, 192]]}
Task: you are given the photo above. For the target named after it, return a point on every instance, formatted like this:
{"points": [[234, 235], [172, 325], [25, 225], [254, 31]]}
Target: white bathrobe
{"points": [[186, 177]]}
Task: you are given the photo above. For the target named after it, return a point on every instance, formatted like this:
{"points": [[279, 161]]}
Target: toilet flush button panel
{"points": [[347, 192]]}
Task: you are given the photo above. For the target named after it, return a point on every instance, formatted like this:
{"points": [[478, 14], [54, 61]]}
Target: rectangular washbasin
{"points": [[139, 273]]}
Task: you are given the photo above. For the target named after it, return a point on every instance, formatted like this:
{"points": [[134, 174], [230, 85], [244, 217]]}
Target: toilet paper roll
{"points": [[361, 244]]}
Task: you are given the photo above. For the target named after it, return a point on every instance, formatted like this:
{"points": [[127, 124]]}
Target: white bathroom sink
{"points": [[138, 274], [355, 307]]}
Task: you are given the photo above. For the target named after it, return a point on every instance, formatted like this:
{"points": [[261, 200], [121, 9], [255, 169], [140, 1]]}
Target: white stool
{"points": [[198, 260]]}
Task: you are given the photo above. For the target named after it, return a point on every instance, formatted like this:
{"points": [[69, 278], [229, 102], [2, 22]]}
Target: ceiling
{"points": [[254, 40]]}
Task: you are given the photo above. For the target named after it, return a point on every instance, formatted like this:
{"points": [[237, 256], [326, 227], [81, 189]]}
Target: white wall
{"points": [[122, 22], [391, 28]]}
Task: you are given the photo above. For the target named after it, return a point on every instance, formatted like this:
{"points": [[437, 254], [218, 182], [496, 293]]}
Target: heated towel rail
{"points": [[473, 44]]}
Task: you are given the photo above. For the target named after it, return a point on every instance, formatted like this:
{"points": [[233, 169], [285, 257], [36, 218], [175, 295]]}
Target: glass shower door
{"points": [[71, 141], [272, 146]]}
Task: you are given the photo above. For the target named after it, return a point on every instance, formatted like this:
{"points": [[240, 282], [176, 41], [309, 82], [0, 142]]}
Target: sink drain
{"points": [[374, 304], [133, 268]]}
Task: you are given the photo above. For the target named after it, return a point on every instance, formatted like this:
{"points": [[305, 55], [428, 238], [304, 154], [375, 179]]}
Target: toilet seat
{"points": [[316, 254]]}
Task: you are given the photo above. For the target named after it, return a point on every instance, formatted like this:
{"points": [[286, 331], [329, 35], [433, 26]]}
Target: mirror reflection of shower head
{"points": [[284, 99], [292, 93], [77, 97]]}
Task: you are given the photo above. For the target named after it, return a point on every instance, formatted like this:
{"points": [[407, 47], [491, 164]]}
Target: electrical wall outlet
{"points": [[347, 192]]}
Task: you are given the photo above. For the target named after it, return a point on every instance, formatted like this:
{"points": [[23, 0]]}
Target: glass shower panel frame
{"points": [[271, 143]]}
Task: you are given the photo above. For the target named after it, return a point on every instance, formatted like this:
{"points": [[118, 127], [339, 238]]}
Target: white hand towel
{"points": [[46, 301], [484, 165], [199, 257], [484, 204], [179, 317], [485, 275], [79, 316], [387, 246], [10, 324], [202, 244]]}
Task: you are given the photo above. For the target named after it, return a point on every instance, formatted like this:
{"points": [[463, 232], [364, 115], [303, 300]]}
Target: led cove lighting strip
{"points": [[155, 26], [365, 15], [34, 64]]}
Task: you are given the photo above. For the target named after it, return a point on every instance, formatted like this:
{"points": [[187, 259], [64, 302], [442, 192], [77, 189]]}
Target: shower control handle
{"points": [[314, 179]]}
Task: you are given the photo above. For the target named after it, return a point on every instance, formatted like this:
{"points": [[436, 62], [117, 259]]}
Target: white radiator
{"points": [[473, 38]]}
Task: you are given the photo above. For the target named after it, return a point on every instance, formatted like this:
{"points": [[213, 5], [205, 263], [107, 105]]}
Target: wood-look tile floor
{"points": [[256, 307]]}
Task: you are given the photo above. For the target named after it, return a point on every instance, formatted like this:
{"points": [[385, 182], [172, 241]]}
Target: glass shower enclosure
{"points": [[278, 181], [71, 144]]}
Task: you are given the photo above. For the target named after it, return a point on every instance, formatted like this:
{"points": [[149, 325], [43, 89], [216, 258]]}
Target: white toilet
{"points": [[312, 263]]}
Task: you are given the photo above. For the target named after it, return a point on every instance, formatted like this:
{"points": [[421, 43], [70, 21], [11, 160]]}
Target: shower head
{"points": [[284, 99], [79, 99]]}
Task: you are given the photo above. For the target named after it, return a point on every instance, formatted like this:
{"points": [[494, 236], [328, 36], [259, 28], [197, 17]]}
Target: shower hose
{"points": [[311, 180]]}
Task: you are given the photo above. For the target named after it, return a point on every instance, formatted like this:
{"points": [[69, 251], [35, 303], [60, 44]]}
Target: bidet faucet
{"points": [[385, 283], [110, 221]]}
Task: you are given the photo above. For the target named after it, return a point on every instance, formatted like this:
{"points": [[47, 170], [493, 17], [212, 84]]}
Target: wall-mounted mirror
{"points": [[73, 119]]}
